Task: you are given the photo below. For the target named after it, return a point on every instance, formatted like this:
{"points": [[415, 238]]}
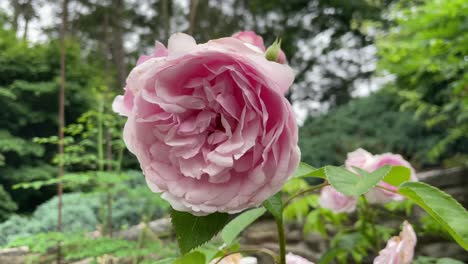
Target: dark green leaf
{"points": [[274, 205], [351, 184], [238, 224], [446, 210], [192, 231]]}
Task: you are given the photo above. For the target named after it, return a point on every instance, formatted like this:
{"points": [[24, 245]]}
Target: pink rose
{"points": [[209, 124], [255, 42], [336, 201], [381, 196], [295, 259], [399, 249], [359, 158], [235, 259], [363, 159]]}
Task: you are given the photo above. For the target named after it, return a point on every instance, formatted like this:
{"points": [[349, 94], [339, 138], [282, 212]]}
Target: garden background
{"points": [[384, 75]]}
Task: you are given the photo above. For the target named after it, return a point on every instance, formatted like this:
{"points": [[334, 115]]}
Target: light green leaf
{"points": [[445, 210], [351, 184], [192, 258], [274, 205], [303, 170], [397, 175], [238, 224], [192, 231]]}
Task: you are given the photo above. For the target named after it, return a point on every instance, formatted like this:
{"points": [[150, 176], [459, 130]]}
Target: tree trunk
{"points": [[192, 16], [16, 13], [166, 19], [61, 118], [108, 132], [119, 52], [26, 26], [28, 13]]}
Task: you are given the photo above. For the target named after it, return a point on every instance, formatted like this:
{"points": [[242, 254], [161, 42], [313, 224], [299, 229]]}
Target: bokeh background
{"points": [[384, 75]]}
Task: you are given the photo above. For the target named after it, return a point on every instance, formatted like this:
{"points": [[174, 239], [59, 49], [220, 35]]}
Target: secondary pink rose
{"points": [[255, 42], [336, 201], [381, 196], [295, 259], [399, 249], [359, 158], [209, 124]]}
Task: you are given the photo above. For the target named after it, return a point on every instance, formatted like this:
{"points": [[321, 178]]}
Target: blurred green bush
{"points": [[374, 123]]}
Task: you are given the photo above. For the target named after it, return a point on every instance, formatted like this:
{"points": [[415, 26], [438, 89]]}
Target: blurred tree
{"points": [[29, 87], [427, 51], [330, 43]]}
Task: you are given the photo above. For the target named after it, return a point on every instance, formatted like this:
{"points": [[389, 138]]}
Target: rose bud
{"points": [[255, 42]]}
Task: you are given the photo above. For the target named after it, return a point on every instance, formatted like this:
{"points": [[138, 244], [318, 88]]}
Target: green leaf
{"points": [[274, 205], [192, 258], [445, 210], [397, 175], [238, 224], [192, 231], [303, 170], [351, 184]]}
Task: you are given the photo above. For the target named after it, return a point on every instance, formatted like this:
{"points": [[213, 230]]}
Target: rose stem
{"points": [[282, 240], [311, 189]]}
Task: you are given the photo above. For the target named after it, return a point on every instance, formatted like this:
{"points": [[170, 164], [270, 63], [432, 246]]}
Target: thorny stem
{"points": [[266, 251], [311, 189], [386, 189]]}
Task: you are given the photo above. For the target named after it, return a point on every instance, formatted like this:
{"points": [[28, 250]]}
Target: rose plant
{"points": [[213, 132]]}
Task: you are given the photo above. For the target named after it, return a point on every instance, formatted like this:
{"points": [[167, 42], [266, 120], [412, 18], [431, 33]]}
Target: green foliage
{"points": [[13, 228], [28, 95], [193, 231], [429, 260], [374, 123], [351, 184], [446, 210], [238, 224], [79, 213], [80, 246], [7, 206], [426, 51]]}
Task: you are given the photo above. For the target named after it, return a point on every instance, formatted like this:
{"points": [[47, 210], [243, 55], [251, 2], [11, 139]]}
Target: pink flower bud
{"points": [[295, 259], [336, 201], [399, 249], [381, 196]]}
